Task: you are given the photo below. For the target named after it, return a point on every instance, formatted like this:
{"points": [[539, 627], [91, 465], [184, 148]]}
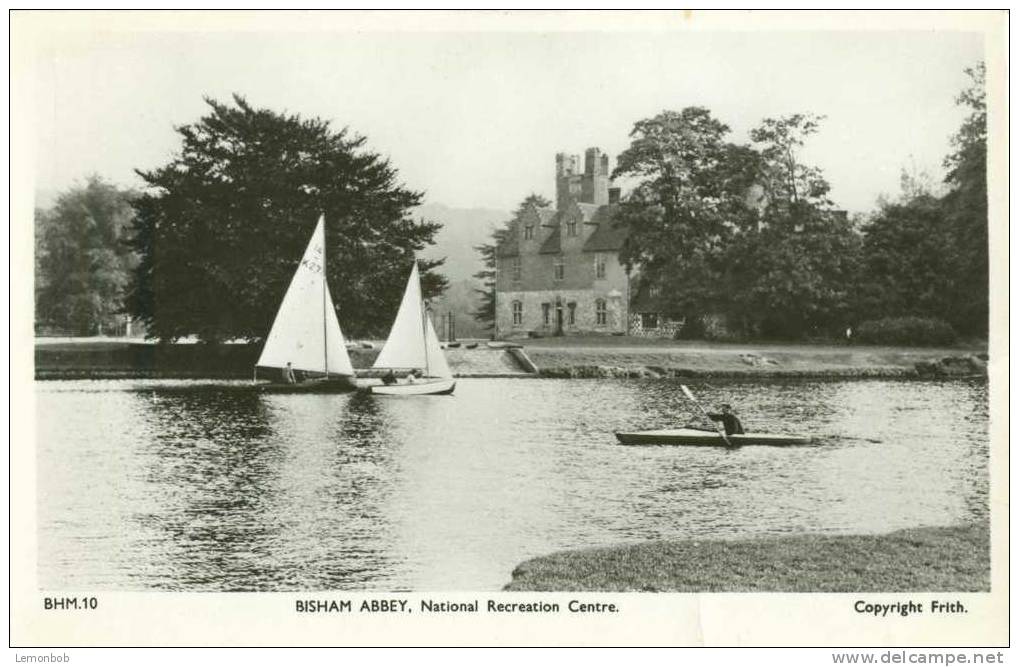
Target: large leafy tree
{"points": [[794, 273], [797, 279], [83, 262], [927, 255], [689, 200], [906, 254], [223, 225], [788, 181], [965, 209]]}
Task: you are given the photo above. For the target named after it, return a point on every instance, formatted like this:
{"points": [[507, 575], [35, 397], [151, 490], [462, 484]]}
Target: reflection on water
{"points": [[178, 486]]}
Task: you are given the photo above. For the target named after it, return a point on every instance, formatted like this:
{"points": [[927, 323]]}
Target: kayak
{"points": [[692, 436]]}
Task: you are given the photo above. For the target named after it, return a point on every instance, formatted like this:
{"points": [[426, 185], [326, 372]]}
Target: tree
{"points": [[83, 263], [490, 256], [965, 208], [927, 255], [787, 181], [689, 202], [794, 273], [906, 250], [224, 223], [789, 281]]}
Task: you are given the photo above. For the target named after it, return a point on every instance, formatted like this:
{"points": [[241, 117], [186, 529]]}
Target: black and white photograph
{"points": [[454, 327]]}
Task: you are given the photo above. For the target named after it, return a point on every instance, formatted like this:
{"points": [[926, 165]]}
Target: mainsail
{"points": [[412, 342], [436, 366], [305, 332]]}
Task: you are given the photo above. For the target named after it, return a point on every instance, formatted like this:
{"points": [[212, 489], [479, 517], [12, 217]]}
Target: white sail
{"points": [[405, 347], [437, 366], [305, 332]]}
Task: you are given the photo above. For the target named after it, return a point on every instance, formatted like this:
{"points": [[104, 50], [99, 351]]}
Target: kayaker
{"points": [[730, 421]]}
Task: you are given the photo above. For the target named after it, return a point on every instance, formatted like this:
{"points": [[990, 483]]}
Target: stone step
{"points": [[483, 361]]}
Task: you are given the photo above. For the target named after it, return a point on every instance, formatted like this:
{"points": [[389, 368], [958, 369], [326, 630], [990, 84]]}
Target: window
{"points": [[546, 313], [518, 313], [571, 228], [599, 266], [528, 231], [558, 268], [516, 268], [655, 291], [649, 320], [601, 316], [571, 314]]}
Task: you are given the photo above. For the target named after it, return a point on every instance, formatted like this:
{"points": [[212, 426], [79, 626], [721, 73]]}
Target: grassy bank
{"points": [[111, 359], [570, 357], [953, 558], [636, 357]]}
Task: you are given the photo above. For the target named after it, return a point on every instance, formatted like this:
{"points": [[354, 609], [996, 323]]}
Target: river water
{"points": [[163, 485]]}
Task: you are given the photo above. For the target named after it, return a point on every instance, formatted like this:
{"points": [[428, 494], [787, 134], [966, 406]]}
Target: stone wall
{"points": [[533, 323]]}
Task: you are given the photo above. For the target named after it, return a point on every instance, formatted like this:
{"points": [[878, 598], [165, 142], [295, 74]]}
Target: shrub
{"points": [[906, 331]]}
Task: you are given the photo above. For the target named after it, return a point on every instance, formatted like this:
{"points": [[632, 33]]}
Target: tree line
{"points": [[208, 248], [747, 232]]}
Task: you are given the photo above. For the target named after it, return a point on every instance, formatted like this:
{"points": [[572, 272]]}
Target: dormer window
{"points": [[528, 232], [571, 228]]}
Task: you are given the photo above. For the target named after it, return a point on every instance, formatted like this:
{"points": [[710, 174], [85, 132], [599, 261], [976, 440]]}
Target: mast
{"points": [[424, 323], [325, 328]]}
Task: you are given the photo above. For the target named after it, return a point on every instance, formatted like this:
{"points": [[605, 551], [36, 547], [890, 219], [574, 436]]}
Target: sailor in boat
{"points": [[288, 374], [389, 377], [730, 421]]}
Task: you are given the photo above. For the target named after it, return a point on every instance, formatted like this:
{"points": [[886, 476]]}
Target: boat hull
{"points": [[334, 385], [424, 388], [695, 437]]}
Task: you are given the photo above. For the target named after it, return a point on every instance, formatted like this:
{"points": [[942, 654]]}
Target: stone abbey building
{"points": [[558, 269]]}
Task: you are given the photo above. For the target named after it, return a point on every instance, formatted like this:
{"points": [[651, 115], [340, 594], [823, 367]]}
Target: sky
{"points": [[474, 119]]}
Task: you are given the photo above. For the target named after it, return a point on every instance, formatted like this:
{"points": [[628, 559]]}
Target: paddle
{"points": [[721, 428]]}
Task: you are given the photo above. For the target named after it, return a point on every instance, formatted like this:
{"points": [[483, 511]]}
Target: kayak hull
{"points": [[695, 437], [423, 388]]}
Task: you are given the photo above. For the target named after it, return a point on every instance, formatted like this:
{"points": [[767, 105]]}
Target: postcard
{"points": [[518, 328]]}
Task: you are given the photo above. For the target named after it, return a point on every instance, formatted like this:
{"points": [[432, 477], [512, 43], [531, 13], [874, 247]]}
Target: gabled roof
{"points": [[509, 246], [608, 236], [545, 215], [588, 211], [553, 245]]}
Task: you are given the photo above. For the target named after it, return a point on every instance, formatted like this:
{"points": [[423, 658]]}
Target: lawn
{"points": [[955, 558]]}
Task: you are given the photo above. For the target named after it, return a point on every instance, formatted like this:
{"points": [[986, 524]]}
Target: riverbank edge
{"points": [[794, 362], [926, 559]]}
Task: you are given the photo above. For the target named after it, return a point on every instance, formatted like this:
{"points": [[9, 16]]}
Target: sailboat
{"points": [[412, 345], [305, 334]]}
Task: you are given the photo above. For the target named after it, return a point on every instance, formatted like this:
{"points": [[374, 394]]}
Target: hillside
{"points": [[462, 230]]}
